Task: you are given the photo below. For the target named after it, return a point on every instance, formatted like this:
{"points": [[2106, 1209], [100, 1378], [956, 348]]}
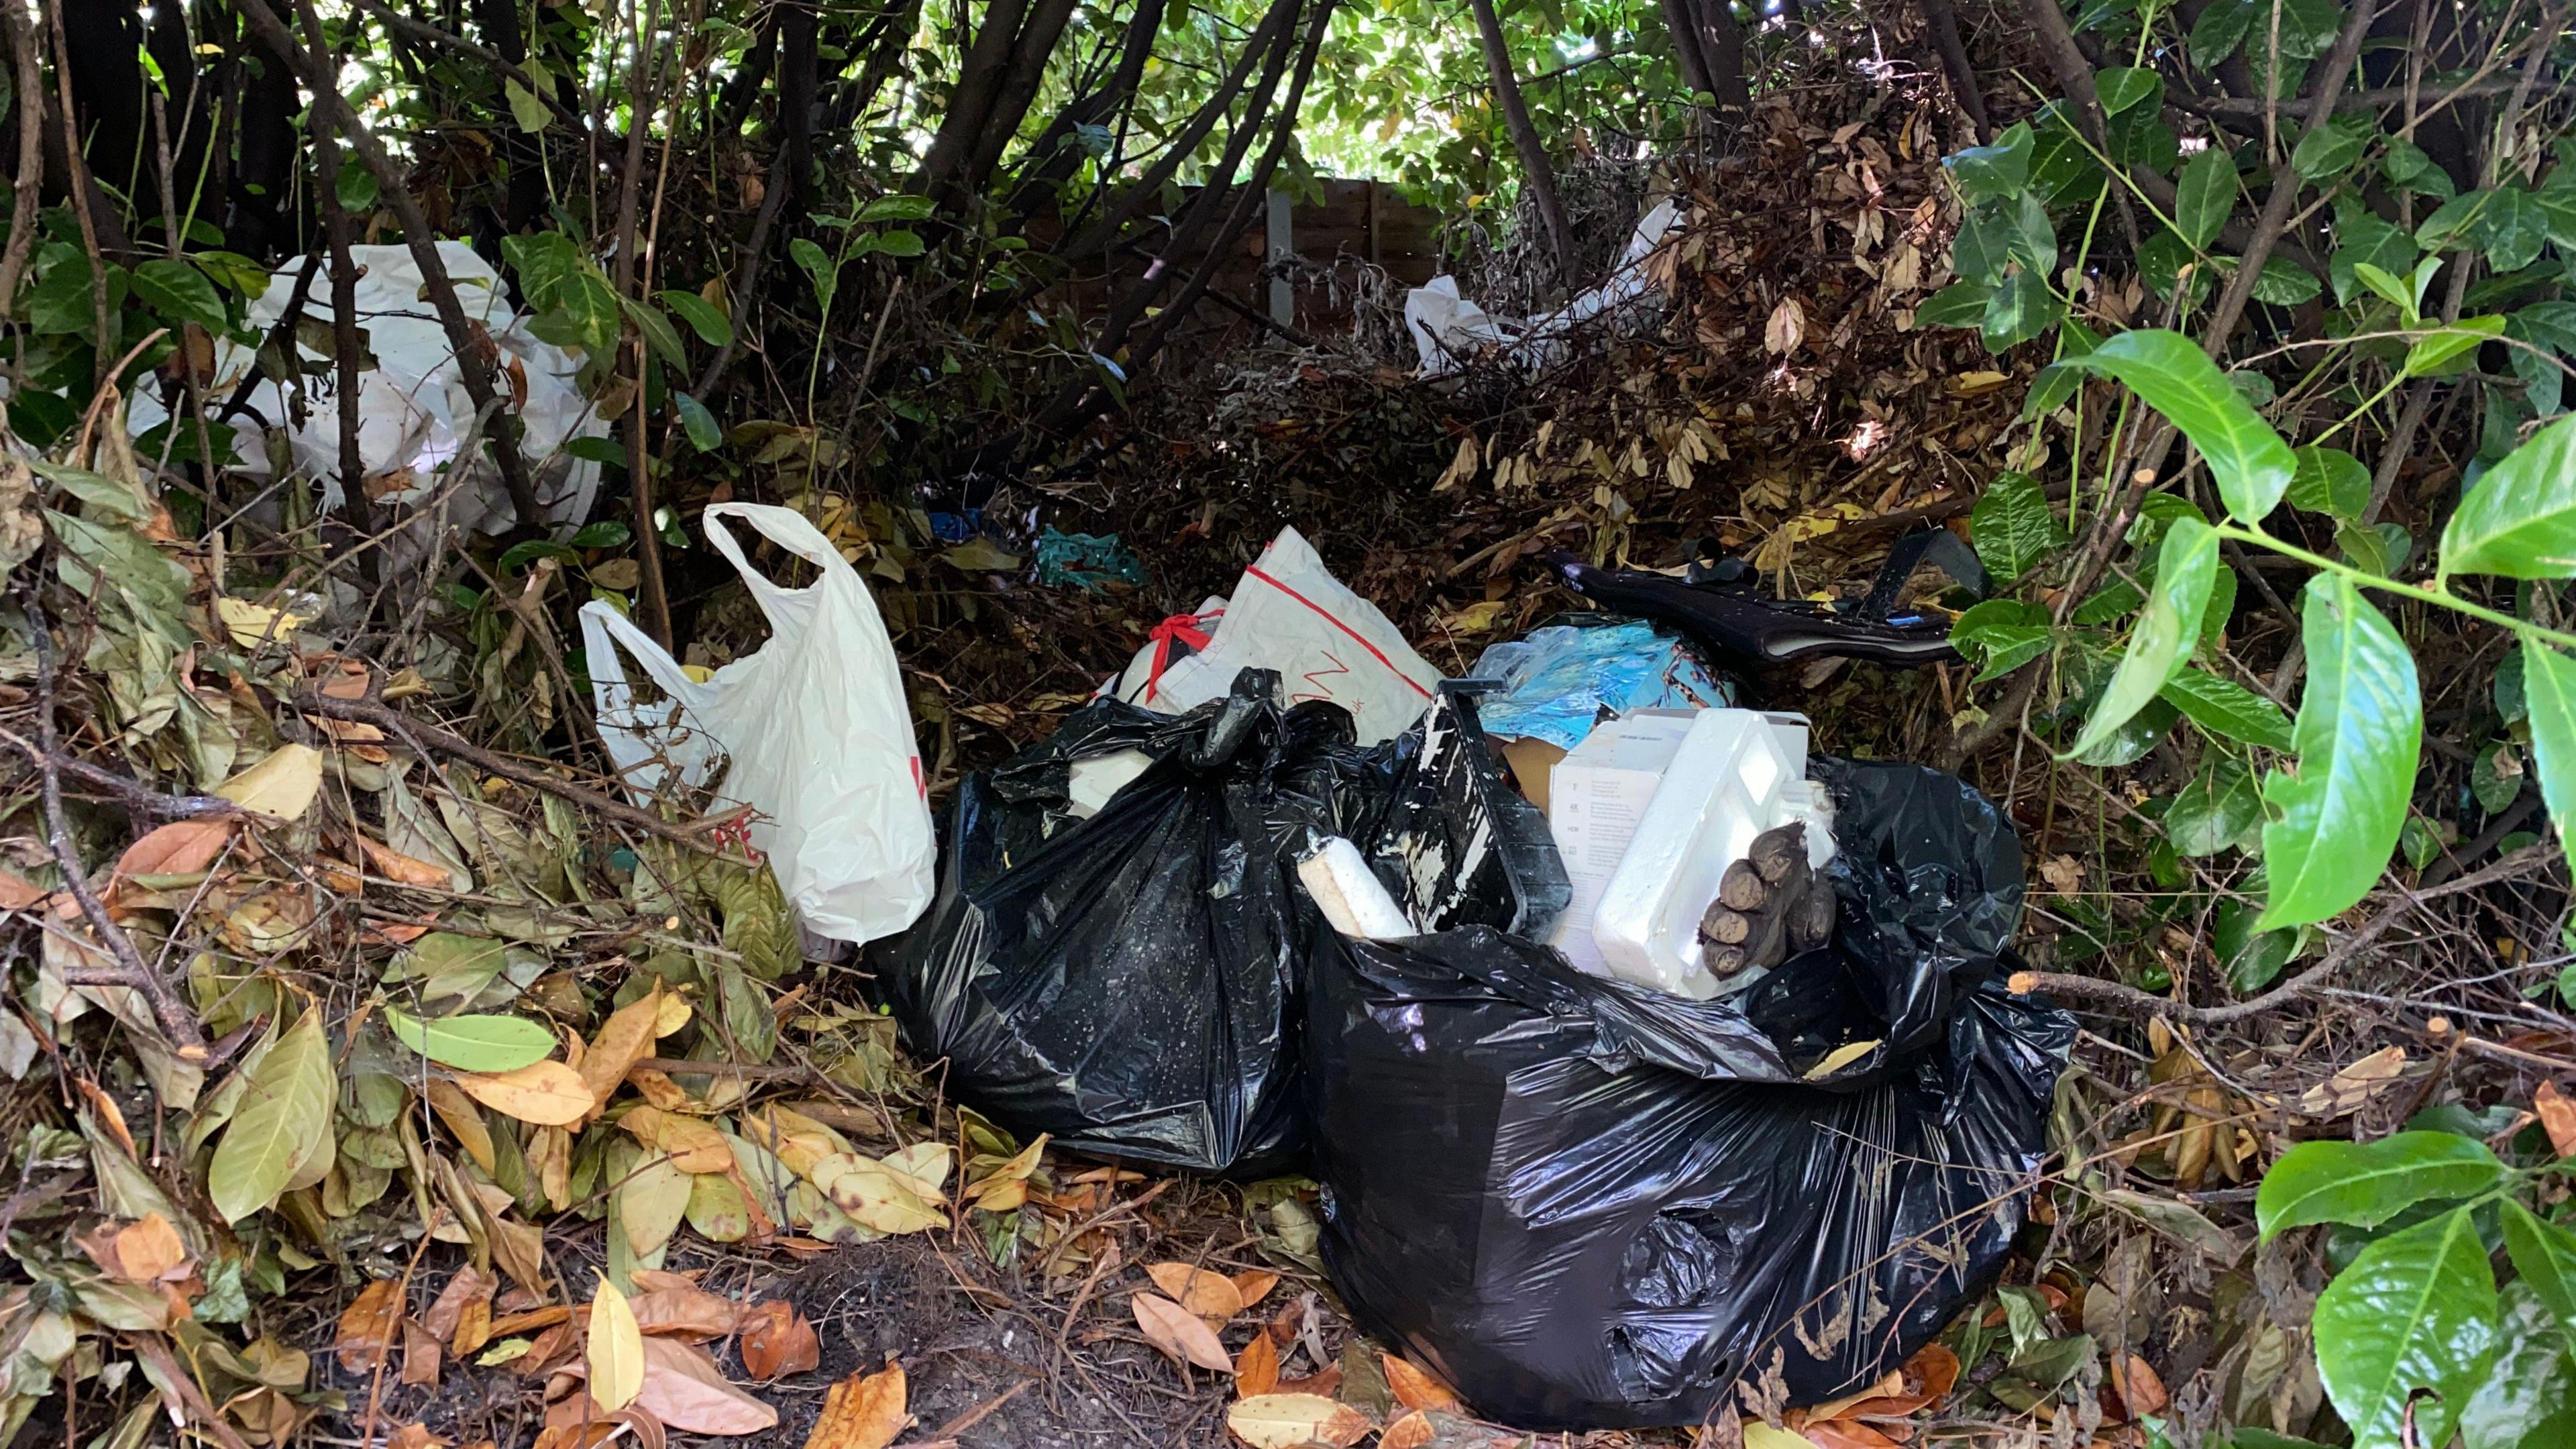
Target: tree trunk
{"points": [[1536, 173]]}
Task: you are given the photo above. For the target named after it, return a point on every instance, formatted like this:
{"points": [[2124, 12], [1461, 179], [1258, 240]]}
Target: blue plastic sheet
{"points": [[1557, 680], [1087, 561]]}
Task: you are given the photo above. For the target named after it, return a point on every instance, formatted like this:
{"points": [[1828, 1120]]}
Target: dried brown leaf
{"points": [[1256, 1369], [1415, 1389], [2557, 1117], [367, 1327], [684, 1390], [182, 847], [1254, 1285], [1288, 1421], [863, 1411], [420, 1354], [777, 1341], [1410, 1432], [1179, 1332], [686, 1311], [549, 1094], [447, 1311], [1207, 1294]]}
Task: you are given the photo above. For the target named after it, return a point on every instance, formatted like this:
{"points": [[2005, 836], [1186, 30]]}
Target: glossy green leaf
{"points": [[357, 188], [2005, 633], [818, 265], [2331, 149], [2228, 710], [2367, 1183], [2436, 350], [2251, 958], [2165, 632], [1983, 247], [1960, 304], [2548, 681], [2362, 239], [2220, 30], [2204, 194], [443, 964], [2528, 1399], [2544, 1253], [2520, 519], [2330, 481], [2284, 283], [179, 293], [701, 315], [705, 434], [2417, 1310], [2219, 808], [285, 1109], [2021, 309], [1983, 173], [2252, 465], [2013, 527], [898, 208], [473, 1043], [2122, 87], [2359, 730], [2033, 237], [2459, 221], [658, 333], [2516, 229]]}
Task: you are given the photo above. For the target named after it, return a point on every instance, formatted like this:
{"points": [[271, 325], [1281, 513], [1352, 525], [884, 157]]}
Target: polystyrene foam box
{"points": [[1729, 781]]}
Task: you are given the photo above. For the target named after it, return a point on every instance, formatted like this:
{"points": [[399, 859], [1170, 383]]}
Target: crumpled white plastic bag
{"points": [[1289, 613], [413, 410], [1448, 329], [815, 725]]}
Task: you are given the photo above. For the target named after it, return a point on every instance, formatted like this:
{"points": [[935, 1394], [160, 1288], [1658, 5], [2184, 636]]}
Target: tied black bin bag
{"points": [[1129, 982], [1588, 1204]]}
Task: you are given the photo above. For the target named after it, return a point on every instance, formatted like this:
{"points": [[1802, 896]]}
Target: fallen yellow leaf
{"points": [[615, 1350], [549, 1094]]}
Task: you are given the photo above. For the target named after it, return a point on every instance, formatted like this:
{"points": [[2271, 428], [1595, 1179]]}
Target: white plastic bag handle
{"points": [[602, 630], [784, 527]]}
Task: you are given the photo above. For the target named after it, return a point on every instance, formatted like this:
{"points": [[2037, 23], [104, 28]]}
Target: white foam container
{"points": [[1736, 774]]}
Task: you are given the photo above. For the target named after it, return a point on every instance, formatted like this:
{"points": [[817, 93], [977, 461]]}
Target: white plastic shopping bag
{"points": [[814, 725], [1288, 613]]}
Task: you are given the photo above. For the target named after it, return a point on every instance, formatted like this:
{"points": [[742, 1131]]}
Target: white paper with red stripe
{"points": [[1290, 614], [815, 724]]}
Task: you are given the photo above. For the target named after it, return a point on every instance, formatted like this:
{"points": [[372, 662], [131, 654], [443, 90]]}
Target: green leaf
{"points": [[606, 533], [658, 333], [2331, 149], [607, 452], [2130, 742], [180, 293], [2220, 30], [818, 265], [2416, 1310], [2165, 633], [1960, 304], [901, 242], [95, 489], [2124, 86], [2516, 229], [285, 1110], [2284, 283], [473, 1043], [2366, 241], [1982, 249], [2006, 633], [2459, 221], [2495, 776], [2528, 1399], [2330, 481], [2359, 732], [357, 188], [444, 964], [2520, 519], [2252, 958], [2021, 309], [2409, 167], [529, 112], [2544, 1253], [898, 208], [2228, 710], [2221, 807], [2367, 1183], [705, 434], [2013, 527], [2032, 240], [2250, 462], [701, 315], [2549, 697], [2453, 340], [2204, 195], [1983, 173]]}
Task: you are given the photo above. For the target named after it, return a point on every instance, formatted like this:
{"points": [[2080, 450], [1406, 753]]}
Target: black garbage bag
{"points": [[1588, 1204], [1130, 982]]}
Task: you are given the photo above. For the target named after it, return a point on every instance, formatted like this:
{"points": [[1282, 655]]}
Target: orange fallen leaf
{"points": [[368, 1326], [777, 1341], [1415, 1389], [549, 1094], [1934, 1371], [1179, 1332], [2139, 1387], [393, 865], [1256, 1369], [624, 1039], [1254, 1285], [1207, 1294], [182, 847], [2557, 1117], [686, 1311], [1326, 1381], [17, 892], [1410, 1432], [447, 1310], [420, 1354], [534, 1318], [150, 1251], [863, 1411], [1844, 1434]]}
